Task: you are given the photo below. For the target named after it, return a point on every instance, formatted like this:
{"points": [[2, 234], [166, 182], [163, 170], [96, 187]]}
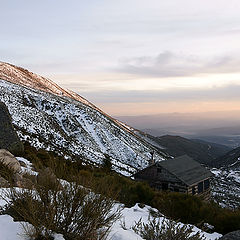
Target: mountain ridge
{"points": [[53, 119]]}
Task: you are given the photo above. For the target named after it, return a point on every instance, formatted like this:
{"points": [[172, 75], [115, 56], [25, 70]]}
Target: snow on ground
{"points": [[28, 168], [132, 215], [121, 230], [9, 230], [226, 187]]}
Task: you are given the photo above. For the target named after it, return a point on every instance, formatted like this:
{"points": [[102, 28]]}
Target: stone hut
{"points": [[181, 174]]}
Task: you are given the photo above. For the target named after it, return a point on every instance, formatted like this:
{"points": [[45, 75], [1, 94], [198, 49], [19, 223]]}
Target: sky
{"points": [[130, 57]]}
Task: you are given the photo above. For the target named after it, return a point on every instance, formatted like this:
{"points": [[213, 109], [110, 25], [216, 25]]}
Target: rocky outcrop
{"points": [[231, 236], [8, 137], [14, 177], [9, 160]]}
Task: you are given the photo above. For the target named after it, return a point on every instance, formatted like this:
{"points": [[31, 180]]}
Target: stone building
{"points": [[181, 174]]}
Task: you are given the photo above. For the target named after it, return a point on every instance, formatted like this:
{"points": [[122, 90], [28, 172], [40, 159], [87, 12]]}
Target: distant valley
{"points": [[218, 127]]}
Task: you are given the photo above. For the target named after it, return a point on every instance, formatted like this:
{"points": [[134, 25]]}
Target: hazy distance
{"points": [[219, 127]]}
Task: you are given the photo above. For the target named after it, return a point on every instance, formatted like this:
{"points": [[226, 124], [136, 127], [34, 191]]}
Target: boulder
{"points": [[9, 160], [8, 137], [231, 236]]}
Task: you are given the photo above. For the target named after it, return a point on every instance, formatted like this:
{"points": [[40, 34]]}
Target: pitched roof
{"points": [[186, 169]]}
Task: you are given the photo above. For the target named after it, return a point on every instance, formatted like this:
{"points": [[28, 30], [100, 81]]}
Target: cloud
{"points": [[169, 64], [227, 93]]}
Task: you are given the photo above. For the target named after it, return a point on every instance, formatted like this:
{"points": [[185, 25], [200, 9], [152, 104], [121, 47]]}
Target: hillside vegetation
{"points": [[186, 208]]}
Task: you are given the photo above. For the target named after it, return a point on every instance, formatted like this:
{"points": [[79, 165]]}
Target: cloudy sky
{"points": [[131, 57]]}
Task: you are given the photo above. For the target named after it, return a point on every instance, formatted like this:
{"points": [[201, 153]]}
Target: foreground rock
{"points": [[15, 176], [231, 236], [8, 137], [9, 160]]}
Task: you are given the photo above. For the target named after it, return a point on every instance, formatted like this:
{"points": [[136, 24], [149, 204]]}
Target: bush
{"points": [[165, 230], [72, 211]]}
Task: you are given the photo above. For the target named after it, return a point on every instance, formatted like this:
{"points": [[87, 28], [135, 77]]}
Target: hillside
{"points": [[50, 117], [231, 158], [201, 151]]}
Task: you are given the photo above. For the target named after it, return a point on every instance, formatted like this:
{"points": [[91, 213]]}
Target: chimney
{"points": [[152, 161]]}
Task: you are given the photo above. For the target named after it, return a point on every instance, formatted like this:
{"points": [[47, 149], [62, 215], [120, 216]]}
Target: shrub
{"points": [[165, 230], [72, 211], [178, 206]]}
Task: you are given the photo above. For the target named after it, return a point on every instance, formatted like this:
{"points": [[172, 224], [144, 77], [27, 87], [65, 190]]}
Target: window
{"points": [[206, 184], [176, 189], [164, 186], [200, 187], [193, 191]]}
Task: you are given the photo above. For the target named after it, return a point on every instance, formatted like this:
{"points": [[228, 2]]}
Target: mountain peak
{"points": [[21, 76]]}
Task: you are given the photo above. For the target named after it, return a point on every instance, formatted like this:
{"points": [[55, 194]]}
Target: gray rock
{"points": [[231, 236], [8, 137], [9, 160]]}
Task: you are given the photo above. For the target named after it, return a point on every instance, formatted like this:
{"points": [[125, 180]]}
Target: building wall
{"points": [[161, 179], [204, 192]]}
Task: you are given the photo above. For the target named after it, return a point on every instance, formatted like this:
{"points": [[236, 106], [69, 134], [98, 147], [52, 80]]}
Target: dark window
{"points": [[206, 184], [164, 186], [159, 170], [176, 189], [193, 191], [200, 187]]}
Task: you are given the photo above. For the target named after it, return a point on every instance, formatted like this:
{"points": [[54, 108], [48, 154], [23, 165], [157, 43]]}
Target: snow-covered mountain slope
{"points": [[226, 185], [55, 119], [23, 77]]}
